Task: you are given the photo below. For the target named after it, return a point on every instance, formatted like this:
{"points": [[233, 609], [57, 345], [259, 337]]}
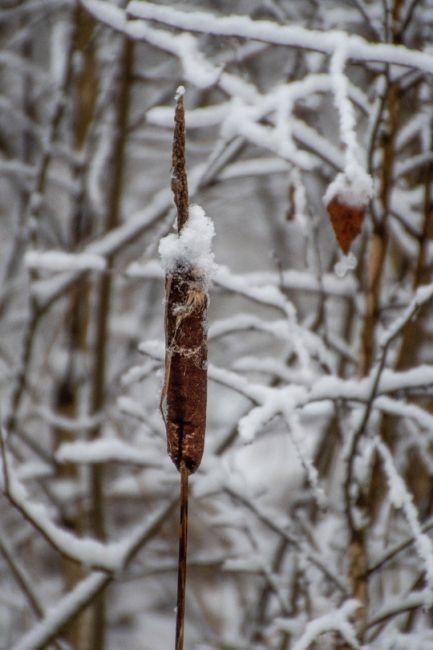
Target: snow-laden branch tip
{"points": [[353, 187], [338, 620]]}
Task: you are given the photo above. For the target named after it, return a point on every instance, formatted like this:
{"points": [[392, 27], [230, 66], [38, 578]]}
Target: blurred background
{"points": [[315, 488]]}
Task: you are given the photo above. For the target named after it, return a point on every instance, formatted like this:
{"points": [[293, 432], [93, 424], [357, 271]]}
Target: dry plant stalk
{"points": [[184, 396]]}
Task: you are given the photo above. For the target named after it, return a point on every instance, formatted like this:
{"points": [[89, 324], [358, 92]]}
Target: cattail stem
{"points": [[181, 567], [183, 399]]}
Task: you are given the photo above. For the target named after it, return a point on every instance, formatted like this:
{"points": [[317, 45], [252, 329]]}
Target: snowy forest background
{"points": [[312, 512]]}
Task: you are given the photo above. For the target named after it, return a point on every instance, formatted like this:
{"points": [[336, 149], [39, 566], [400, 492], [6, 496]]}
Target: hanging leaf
{"points": [[346, 220]]}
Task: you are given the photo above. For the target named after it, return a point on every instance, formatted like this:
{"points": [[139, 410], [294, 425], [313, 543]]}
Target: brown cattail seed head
{"points": [[185, 390]]}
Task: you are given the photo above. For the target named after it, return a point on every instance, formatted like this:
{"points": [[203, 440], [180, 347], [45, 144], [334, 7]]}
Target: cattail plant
{"points": [[187, 259]]}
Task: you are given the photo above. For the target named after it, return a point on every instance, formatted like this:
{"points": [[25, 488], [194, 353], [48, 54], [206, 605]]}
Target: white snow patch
{"points": [[352, 187], [180, 92], [60, 261], [192, 247], [346, 264]]}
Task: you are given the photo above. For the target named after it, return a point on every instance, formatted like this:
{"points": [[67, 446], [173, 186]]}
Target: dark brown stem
{"points": [[181, 567]]}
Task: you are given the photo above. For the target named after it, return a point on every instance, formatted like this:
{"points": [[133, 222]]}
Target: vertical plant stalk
{"points": [[83, 91], [377, 253], [183, 399], [104, 290]]}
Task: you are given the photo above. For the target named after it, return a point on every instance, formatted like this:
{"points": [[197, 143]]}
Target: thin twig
{"points": [[88, 589], [359, 4], [406, 20], [421, 298], [269, 522]]}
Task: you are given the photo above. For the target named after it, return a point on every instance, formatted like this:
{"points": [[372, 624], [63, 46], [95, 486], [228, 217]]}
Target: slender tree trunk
{"points": [[104, 289]]}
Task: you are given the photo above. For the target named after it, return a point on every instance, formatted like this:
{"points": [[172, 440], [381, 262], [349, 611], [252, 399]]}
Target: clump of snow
{"points": [[180, 92], [352, 187], [192, 247], [345, 265]]}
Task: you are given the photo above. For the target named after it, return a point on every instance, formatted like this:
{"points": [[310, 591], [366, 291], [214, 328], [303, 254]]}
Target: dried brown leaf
{"points": [[346, 220]]}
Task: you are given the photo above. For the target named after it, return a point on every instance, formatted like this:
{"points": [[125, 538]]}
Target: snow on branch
{"points": [[86, 590], [342, 103], [308, 554], [354, 187], [277, 328], [336, 621], [56, 261], [402, 499], [402, 409], [66, 608], [271, 401], [358, 49], [197, 69], [76, 425], [45, 291], [243, 113], [90, 552], [400, 605], [102, 451], [423, 296], [288, 279], [87, 551]]}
